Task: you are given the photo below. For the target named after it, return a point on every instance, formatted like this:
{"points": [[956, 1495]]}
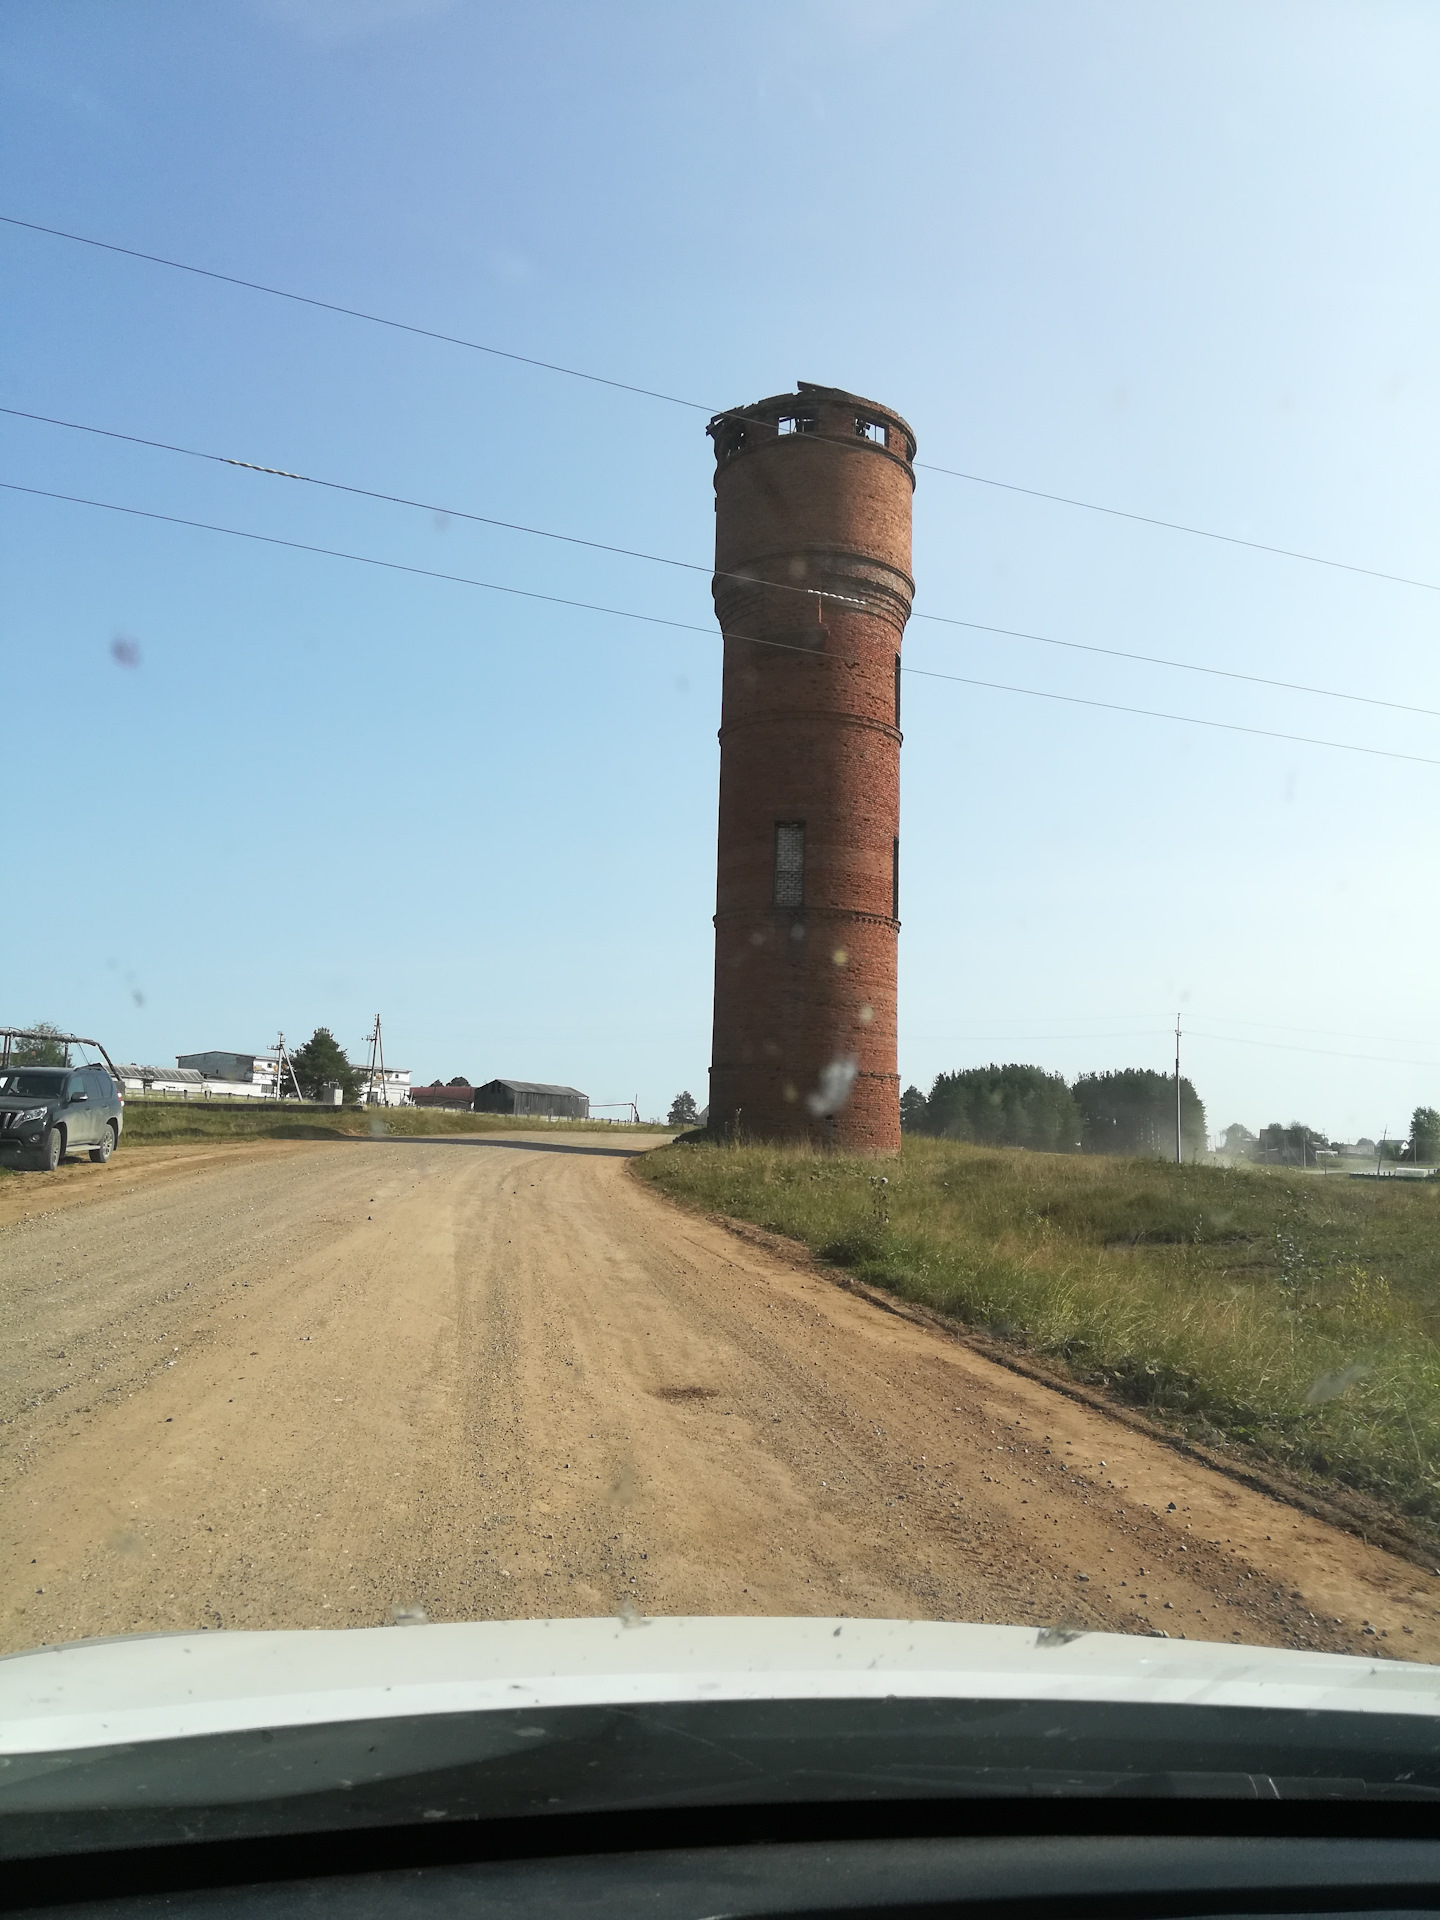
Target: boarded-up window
{"points": [[789, 863]]}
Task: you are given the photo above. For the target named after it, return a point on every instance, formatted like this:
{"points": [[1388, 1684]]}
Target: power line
{"points": [[693, 566], [694, 406], [1187, 719], [1235, 1020], [352, 313], [1328, 1033], [391, 499], [1198, 1033], [1130, 1033], [1177, 526], [1178, 666], [425, 573], [1324, 1053], [686, 626]]}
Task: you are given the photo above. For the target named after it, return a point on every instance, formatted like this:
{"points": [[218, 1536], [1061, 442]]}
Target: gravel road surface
{"points": [[325, 1384]]}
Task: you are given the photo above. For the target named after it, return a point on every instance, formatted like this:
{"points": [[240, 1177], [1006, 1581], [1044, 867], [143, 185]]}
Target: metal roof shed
{"points": [[532, 1099]]}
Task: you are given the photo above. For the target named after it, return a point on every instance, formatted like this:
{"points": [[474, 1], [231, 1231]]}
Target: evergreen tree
{"points": [[683, 1111], [914, 1111], [1009, 1106], [1425, 1136], [321, 1063], [1133, 1111]]}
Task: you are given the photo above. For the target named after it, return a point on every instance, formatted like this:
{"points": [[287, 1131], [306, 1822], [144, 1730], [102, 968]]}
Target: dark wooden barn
{"points": [[532, 1099]]}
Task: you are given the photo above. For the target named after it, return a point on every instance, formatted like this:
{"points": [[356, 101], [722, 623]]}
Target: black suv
{"points": [[46, 1112]]}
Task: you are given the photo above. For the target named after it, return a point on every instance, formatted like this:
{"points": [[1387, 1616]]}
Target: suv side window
{"points": [[100, 1087], [75, 1084]]}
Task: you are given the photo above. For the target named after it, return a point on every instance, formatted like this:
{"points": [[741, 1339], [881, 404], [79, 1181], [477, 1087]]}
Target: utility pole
{"points": [[1178, 1157], [282, 1064], [377, 1052]]}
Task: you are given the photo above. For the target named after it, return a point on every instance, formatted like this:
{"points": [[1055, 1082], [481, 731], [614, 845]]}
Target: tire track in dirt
{"points": [[319, 1384]]}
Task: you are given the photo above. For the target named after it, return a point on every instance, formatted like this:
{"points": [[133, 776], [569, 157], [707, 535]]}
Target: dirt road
{"points": [[324, 1384]]}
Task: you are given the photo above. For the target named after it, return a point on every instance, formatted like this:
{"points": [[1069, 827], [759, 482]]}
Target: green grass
{"points": [[167, 1121], [1297, 1315]]}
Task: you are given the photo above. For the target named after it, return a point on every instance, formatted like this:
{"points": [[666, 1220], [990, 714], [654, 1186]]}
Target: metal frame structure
{"points": [[8, 1035]]}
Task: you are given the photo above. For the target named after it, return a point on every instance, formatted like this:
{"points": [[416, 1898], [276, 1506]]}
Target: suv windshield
{"points": [[39, 1085]]}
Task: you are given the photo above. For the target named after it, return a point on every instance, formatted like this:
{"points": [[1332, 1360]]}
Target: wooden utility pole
{"points": [[377, 1053], [1178, 1156], [282, 1063]]}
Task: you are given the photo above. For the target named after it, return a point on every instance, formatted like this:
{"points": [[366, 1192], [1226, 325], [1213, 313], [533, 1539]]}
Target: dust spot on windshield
{"points": [[1330, 1386], [833, 1091]]}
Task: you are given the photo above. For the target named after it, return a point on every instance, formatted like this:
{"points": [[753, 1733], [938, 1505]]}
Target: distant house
{"points": [[391, 1086], [462, 1097], [532, 1100]]}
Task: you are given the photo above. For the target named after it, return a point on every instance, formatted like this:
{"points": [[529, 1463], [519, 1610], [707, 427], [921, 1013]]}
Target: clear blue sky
{"points": [[1179, 259]]}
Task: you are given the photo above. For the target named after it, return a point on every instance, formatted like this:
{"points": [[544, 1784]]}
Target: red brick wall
{"points": [[804, 996]]}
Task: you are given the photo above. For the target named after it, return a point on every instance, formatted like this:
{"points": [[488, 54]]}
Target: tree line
{"points": [[1131, 1111]]}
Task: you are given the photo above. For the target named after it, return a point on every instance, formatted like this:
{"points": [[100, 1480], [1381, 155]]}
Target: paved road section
{"points": [[326, 1384]]}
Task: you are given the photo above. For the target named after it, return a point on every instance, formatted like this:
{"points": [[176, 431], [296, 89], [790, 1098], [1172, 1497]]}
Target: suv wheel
{"points": [[51, 1150], [106, 1147]]}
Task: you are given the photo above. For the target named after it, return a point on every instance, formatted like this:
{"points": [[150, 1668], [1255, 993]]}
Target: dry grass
{"points": [[172, 1120], [1298, 1315]]}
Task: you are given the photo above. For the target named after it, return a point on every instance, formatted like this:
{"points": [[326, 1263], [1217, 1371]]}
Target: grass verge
{"points": [[162, 1122], [1297, 1317]]}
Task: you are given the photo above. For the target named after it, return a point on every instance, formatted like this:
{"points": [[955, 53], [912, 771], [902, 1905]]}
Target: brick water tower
{"points": [[812, 591]]}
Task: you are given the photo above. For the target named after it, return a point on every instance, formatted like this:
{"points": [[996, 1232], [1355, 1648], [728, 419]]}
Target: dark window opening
{"points": [[897, 690], [895, 878], [789, 863], [872, 430], [731, 441]]}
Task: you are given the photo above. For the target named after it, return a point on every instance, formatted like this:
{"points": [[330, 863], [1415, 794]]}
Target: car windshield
{"points": [[752, 720], [32, 1081]]}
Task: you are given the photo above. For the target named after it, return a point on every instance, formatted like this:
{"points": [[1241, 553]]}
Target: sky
{"points": [[1180, 260]]}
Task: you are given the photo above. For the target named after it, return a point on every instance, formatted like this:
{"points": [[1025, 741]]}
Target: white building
{"points": [[189, 1083], [390, 1089], [258, 1071]]}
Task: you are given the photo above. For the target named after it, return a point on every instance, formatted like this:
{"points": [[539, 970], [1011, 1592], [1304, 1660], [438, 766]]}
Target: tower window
{"points": [[872, 430], [789, 863], [796, 423], [895, 878]]}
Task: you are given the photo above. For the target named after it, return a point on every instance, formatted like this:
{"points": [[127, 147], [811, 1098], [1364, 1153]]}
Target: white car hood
{"points": [[166, 1686]]}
